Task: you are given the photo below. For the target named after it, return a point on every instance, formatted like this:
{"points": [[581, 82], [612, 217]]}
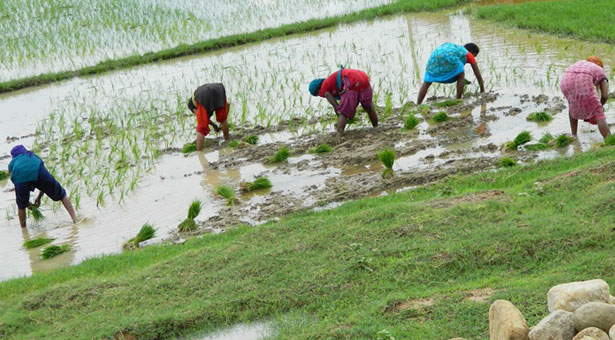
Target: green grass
{"points": [[440, 117], [563, 140], [258, 184], [4, 175], [228, 193], [411, 121], [539, 117], [52, 251], [448, 103], [401, 6], [280, 156], [252, 139], [189, 147], [507, 162], [36, 242], [342, 273], [322, 148], [194, 209], [573, 18]]}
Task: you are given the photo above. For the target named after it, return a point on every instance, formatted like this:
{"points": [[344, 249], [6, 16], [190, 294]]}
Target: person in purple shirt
{"points": [[27, 173]]}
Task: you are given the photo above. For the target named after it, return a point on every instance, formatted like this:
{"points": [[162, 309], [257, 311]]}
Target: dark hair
{"points": [[472, 48], [191, 104]]}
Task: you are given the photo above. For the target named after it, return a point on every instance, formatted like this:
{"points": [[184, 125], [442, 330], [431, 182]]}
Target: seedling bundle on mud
{"points": [[322, 148], [280, 156], [52, 251], [440, 117], [37, 242], [387, 157], [411, 121], [228, 193], [193, 211], [258, 184], [146, 232]]}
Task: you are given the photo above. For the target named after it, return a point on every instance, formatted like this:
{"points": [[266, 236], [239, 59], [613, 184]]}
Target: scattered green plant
{"points": [[609, 140], [563, 140], [234, 143], [387, 157], [194, 209], [411, 121], [4, 175], [190, 147], [36, 242], [522, 138], [322, 148], [280, 156], [507, 162], [536, 147], [448, 103], [440, 117], [227, 193], [539, 117], [52, 251], [259, 183], [546, 138], [252, 139], [187, 225]]}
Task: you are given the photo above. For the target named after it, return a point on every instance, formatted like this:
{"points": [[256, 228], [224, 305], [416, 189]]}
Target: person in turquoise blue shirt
{"points": [[28, 172]]}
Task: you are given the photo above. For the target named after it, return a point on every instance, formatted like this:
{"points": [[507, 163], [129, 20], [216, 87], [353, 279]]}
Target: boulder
{"points": [[595, 314], [556, 326], [506, 322], [612, 332], [592, 333], [612, 300], [570, 296]]}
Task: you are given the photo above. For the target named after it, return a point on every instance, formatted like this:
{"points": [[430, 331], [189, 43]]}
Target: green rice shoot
{"points": [[539, 117], [37, 215], [36, 242], [536, 147], [546, 138], [609, 140], [4, 175], [322, 148], [194, 209], [280, 156], [147, 232], [563, 140], [52, 251], [187, 225], [234, 143], [252, 139], [411, 121], [507, 162], [448, 103], [190, 147], [227, 193], [440, 117], [522, 138], [387, 157], [258, 184]]}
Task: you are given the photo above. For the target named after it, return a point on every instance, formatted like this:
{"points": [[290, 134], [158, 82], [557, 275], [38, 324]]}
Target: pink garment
{"points": [[350, 99], [579, 86]]}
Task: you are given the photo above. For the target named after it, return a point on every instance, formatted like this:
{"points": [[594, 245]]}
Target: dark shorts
{"points": [[45, 183]]}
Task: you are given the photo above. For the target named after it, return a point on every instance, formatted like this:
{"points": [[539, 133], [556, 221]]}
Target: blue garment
{"points": [[45, 183], [446, 63], [24, 168]]}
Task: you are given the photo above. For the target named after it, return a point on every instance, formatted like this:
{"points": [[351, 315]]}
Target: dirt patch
{"points": [[473, 198], [413, 304], [480, 295]]}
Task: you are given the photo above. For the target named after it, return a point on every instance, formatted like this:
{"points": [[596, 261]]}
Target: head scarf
{"points": [[595, 60], [19, 150], [315, 86], [191, 103]]}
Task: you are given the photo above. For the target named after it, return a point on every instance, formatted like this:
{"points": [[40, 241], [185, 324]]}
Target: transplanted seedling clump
{"points": [[193, 211], [147, 232], [53, 251], [259, 183], [234, 143], [539, 117], [563, 140], [227, 193], [448, 103], [252, 139], [322, 148], [507, 162], [280, 156], [411, 121], [36, 242], [387, 157], [440, 117]]}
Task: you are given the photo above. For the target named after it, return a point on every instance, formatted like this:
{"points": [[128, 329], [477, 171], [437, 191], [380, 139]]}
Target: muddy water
{"points": [[253, 331], [517, 66]]}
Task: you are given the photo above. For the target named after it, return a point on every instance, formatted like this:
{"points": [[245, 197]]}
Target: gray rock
{"points": [[556, 326], [595, 314], [570, 296], [612, 332], [506, 322], [593, 333]]}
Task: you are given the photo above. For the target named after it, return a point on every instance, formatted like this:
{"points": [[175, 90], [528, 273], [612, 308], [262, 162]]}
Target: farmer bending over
{"points": [[350, 87], [206, 100], [578, 85], [446, 66], [28, 172]]}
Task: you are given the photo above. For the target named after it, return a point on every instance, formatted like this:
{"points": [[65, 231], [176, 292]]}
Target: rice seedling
{"points": [[387, 157], [563, 140], [252, 139], [522, 138], [440, 117], [424, 109], [536, 147], [507, 162], [539, 117], [36, 213], [187, 225], [52, 251], [322, 148], [36, 242], [411, 121], [546, 138], [227, 193], [448, 103], [234, 143], [189, 147], [280, 156], [194, 209], [259, 183], [145, 233], [4, 175], [609, 140]]}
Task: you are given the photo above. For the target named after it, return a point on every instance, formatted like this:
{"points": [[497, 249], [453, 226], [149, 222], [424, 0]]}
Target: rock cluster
{"points": [[578, 311]]}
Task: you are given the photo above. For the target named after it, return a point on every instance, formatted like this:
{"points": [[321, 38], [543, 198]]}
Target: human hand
{"points": [[216, 127], [603, 100], [37, 202]]}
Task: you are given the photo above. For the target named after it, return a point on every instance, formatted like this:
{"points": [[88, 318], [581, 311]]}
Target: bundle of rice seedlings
{"points": [[234, 143], [609, 140], [187, 225], [4, 175], [252, 139], [539, 117], [280, 156], [546, 138], [448, 103], [510, 146], [36, 242], [52, 251], [194, 209], [536, 147], [507, 162], [259, 183], [411, 121], [147, 232], [563, 140], [322, 148], [37, 214], [387, 157], [424, 110], [440, 117], [227, 193], [522, 138], [190, 147]]}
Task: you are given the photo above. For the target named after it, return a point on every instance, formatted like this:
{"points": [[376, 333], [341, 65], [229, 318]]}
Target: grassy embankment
{"points": [[587, 20], [351, 272], [400, 6]]}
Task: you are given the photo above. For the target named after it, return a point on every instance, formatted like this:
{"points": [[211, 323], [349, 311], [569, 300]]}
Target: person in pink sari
{"points": [[578, 84]]}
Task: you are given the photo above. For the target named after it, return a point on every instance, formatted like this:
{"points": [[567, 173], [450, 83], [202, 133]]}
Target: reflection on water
{"points": [[253, 331]]}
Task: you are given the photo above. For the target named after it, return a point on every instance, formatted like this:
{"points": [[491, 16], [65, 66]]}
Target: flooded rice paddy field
{"points": [[114, 140], [42, 36]]}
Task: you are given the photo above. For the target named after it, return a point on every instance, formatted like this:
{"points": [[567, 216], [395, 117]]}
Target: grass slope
{"points": [[400, 6], [574, 18], [350, 272]]}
